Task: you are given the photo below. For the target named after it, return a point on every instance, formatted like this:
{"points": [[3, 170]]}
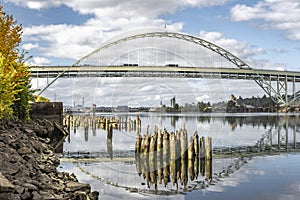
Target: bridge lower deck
{"points": [[163, 71]]}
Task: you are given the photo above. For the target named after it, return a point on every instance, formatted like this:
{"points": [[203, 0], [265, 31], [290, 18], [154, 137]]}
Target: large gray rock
{"points": [[76, 186], [5, 185]]}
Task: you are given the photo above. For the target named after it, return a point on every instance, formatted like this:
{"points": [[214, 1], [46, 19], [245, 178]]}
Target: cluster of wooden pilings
{"points": [[102, 122], [170, 157]]}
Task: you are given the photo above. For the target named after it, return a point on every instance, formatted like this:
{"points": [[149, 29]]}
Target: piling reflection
{"points": [[163, 158], [109, 148]]}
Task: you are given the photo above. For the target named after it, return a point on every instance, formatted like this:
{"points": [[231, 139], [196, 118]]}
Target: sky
{"points": [[263, 33]]}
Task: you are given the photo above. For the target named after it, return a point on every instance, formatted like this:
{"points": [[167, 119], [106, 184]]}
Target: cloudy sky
{"points": [[264, 33]]}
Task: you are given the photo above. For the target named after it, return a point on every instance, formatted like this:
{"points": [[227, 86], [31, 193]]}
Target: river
{"points": [[255, 156]]}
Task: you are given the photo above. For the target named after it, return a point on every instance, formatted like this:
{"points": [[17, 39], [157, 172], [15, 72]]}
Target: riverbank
{"points": [[28, 167]]}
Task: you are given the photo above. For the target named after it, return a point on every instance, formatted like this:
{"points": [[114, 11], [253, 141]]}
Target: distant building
{"points": [[122, 109], [173, 102]]}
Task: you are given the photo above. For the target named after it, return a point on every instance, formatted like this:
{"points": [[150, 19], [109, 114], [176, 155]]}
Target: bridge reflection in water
{"points": [[177, 162]]}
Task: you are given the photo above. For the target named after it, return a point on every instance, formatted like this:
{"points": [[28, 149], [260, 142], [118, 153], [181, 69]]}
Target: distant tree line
{"points": [[253, 104]]}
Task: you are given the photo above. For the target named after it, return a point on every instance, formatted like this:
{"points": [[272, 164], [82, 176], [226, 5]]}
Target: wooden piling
{"points": [[152, 160], [196, 143], [172, 146], [166, 157], [138, 142], [208, 158], [110, 132], [191, 151], [202, 147], [208, 148], [183, 144], [152, 149], [159, 156], [166, 145]]}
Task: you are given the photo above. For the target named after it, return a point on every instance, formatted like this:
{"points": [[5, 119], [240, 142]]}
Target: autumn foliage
{"points": [[14, 73]]}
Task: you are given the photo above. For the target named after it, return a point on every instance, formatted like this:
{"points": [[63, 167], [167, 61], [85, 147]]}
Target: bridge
{"points": [[170, 54]]}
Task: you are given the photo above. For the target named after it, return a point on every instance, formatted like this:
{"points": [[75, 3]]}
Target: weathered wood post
{"points": [[208, 148], [197, 154], [172, 146], [159, 154], [184, 158], [196, 143], [130, 125], [138, 142], [173, 156], [191, 150], [202, 156], [152, 159], [178, 158], [208, 158], [152, 148], [145, 144], [191, 156], [110, 132], [183, 144], [106, 123], [166, 156], [138, 122]]}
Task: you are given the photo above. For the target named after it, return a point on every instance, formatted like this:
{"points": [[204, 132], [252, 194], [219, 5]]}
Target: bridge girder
{"points": [[279, 95]]}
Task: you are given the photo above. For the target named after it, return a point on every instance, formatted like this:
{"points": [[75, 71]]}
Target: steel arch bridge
{"points": [[264, 78]]}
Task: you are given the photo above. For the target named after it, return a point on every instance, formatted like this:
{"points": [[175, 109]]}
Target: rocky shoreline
{"points": [[28, 168]]}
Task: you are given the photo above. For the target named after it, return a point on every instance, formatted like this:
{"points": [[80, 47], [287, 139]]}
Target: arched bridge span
{"points": [[279, 92]]}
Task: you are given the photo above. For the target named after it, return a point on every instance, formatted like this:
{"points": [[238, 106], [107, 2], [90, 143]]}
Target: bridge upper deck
{"points": [[162, 71]]}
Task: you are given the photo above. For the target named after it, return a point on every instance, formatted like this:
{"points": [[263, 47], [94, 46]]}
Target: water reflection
{"points": [[109, 148], [174, 161], [90, 135], [163, 158]]}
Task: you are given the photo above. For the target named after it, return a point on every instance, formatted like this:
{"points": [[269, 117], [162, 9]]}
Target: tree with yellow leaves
{"points": [[15, 89]]}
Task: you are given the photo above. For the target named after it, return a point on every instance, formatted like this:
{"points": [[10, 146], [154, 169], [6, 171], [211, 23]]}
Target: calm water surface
{"points": [[263, 173]]}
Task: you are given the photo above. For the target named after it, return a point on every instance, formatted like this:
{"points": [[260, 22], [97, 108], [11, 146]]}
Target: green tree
{"points": [[14, 73]]}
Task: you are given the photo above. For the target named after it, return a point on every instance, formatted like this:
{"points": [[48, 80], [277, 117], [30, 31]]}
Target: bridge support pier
{"points": [[282, 93]]}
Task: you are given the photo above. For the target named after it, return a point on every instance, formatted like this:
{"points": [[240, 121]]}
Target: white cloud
{"points": [[238, 48], [128, 7], [280, 51], [39, 61], [110, 17], [36, 4], [276, 14], [29, 46]]}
